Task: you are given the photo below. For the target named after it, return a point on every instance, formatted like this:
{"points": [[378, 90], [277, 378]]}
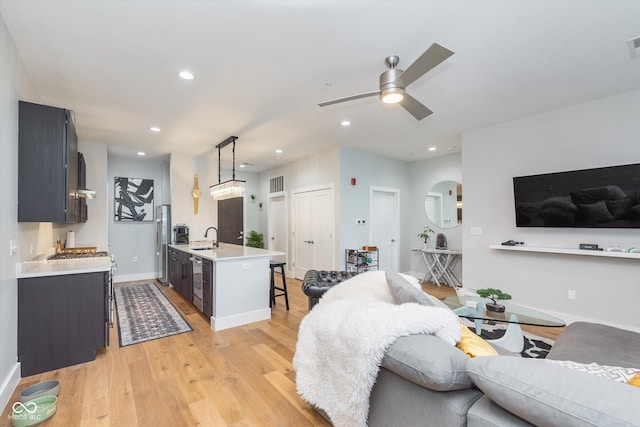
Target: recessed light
{"points": [[432, 148], [186, 75], [154, 129], [141, 153], [278, 151], [345, 123]]}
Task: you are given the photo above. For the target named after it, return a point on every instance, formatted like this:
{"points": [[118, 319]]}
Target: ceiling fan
{"points": [[394, 81]]}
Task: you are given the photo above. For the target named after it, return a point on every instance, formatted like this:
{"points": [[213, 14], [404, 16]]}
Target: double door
{"points": [[313, 231]]}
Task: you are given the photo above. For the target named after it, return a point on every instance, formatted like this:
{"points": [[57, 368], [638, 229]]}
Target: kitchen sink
{"points": [[206, 248]]}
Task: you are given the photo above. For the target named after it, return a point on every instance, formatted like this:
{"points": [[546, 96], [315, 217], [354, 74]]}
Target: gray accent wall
{"points": [[134, 239], [593, 134]]}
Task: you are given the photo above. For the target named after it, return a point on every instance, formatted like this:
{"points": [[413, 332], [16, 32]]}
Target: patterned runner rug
{"points": [[145, 314], [534, 346]]}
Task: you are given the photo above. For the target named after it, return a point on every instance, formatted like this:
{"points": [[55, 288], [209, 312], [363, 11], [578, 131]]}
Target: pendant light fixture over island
{"points": [[233, 187]]}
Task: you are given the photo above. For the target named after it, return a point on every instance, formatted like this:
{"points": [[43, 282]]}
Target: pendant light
{"points": [[233, 187]]}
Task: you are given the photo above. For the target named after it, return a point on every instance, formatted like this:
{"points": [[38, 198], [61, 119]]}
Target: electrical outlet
{"points": [[571, 294], [135, 259], [13, 247], [475, 231]]}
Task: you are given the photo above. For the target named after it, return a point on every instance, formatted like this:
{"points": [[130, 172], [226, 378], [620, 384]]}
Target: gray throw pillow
{"points": [[403, 291], [546, 394], [428, 361]]}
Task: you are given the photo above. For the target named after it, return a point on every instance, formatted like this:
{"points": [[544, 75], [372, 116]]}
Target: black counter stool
{"points": [[273, 265]]}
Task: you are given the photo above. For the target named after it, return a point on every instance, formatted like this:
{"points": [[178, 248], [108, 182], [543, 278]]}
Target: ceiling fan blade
{"points": [[427, 61], [414, 107], [349, 98]]}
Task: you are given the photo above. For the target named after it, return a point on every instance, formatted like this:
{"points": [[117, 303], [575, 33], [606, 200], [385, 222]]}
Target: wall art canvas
{"points": [[133, 199]]}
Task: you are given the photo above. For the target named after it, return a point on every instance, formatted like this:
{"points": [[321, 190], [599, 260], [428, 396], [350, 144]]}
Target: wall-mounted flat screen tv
{"points": [[589, 198]]}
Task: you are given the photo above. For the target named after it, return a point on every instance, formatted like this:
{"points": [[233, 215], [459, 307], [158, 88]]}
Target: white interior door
{"points": [[313, 231], [384, 227], [302, 235], [277, 213], [322, 207]]}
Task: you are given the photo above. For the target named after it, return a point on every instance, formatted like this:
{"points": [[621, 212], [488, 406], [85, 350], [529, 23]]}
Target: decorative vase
{"points": [[425, 246], [498, 308]]}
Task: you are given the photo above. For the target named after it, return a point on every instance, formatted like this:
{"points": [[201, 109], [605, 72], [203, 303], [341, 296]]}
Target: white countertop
{"points": [[228, 252], [61, 267]]}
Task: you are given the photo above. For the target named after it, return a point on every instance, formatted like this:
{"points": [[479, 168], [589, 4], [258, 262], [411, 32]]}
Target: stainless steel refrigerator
{"points": [[163, 239]]}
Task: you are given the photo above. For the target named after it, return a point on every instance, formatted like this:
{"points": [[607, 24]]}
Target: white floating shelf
{"points": [[566, 251]]}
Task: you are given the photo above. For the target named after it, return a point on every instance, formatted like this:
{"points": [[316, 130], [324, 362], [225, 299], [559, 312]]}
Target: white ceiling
{"points": [[261, 67]]}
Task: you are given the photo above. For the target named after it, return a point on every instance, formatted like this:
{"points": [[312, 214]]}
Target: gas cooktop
{"points": [[71, 255]]}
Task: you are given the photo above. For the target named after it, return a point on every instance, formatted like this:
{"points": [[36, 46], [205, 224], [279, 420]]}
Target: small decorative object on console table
{"points": [[425, 235], [494, 295]]}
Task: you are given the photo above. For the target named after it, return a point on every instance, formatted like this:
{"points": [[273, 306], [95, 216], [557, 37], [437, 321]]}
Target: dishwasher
{"points": [[197, 282]]}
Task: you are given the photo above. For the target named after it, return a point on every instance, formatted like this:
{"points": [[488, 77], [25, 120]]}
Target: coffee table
{"points": [[473, 308]]}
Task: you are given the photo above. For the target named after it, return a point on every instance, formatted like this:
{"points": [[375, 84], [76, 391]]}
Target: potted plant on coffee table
{"points": [[494, 295]]}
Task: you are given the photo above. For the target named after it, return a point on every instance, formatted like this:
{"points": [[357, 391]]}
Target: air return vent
{"points": [[276, 184]]}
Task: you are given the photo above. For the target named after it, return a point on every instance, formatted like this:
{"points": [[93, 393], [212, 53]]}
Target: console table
{"points": [[441, 264]]}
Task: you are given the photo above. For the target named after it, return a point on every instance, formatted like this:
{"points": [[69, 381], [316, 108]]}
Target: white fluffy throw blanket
{"points": [[342, 341]]}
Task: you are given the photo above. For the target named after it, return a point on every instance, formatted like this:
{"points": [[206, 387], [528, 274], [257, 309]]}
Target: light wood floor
{"points": [[236, 377]]}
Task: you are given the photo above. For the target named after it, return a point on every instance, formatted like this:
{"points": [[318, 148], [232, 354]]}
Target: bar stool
{"points": [[273, 265]]}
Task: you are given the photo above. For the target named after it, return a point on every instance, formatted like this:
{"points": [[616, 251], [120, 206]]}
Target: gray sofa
{"points": [[424, 381]]}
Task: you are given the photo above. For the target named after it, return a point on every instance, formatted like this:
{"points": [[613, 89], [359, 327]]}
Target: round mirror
{"points": [[443, 204]]}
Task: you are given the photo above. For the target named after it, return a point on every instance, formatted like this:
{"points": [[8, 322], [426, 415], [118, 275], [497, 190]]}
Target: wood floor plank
{"points": [[237, 377]]}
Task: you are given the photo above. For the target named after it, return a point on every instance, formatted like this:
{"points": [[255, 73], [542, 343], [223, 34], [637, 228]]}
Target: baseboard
{"points": [[240, 319], [134, 277], [9, 385]]}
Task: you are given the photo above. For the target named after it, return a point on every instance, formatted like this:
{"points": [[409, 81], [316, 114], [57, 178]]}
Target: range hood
{"points": [[83, 191]]}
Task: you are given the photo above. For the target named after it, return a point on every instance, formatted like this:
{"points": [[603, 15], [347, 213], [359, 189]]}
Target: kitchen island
{"points": [[234, 281]]}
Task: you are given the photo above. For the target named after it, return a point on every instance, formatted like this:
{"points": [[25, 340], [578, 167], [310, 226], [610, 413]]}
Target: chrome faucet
{"points": [[215, 242]]}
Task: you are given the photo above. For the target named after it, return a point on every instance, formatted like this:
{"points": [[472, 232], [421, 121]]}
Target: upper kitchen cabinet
{"points": [[47, 165]]}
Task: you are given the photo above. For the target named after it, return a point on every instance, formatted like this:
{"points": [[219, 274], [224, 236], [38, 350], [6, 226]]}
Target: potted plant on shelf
{"points": [[425, 235], [494, 295]]}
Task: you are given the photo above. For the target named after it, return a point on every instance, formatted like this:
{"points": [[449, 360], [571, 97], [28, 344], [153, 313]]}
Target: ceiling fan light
{"points": [[392, 95]]}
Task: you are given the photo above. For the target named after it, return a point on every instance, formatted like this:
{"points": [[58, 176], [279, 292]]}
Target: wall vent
{"points": [[276, 184], [634, 47]]}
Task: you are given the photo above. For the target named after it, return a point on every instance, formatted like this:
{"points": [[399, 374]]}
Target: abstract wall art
{"points": [[133, 199]]}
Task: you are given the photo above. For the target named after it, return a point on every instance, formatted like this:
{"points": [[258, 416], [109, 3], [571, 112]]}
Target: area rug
{"points": [[535, 347], [145, 314]]}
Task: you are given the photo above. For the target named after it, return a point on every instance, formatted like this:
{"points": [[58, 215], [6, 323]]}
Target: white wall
{"points": [[593, 134], [424, 174], [315, 170], [371, 170], [14, 85], [183, 168]]}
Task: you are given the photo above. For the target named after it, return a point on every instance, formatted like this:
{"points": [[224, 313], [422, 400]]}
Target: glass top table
{"points": [[474, 308]]}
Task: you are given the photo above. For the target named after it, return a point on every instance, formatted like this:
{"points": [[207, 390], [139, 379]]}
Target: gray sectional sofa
{"points": [[424, 381]]}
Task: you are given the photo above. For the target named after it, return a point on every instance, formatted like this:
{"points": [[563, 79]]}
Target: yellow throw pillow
{"points": [[635, 381], [473, 345]]}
